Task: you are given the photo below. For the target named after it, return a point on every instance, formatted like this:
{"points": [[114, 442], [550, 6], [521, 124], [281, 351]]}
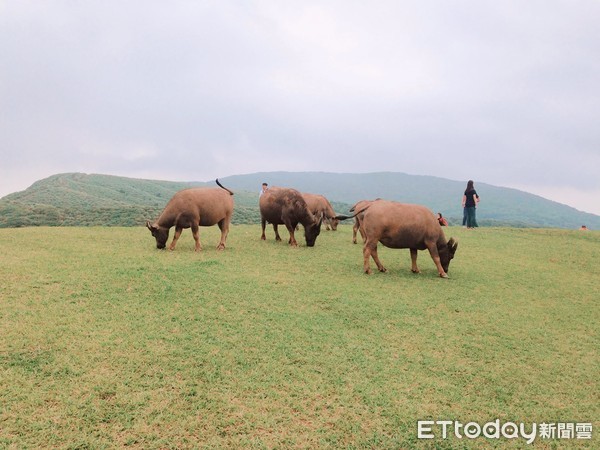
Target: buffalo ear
{"points": [[452, 246]]}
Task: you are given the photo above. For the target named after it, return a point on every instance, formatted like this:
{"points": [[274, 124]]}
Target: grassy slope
{"points": [[79, 199], [106, 341], [76, 199]]}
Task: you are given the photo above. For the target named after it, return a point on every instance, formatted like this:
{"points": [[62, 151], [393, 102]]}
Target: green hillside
{"points": [[76, 199], [499, 206]]}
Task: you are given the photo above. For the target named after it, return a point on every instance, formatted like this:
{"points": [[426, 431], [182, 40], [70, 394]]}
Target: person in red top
{"points": [[442, 220]]}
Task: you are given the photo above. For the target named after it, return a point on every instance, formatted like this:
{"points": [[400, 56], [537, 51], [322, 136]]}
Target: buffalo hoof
{"points": [[221, 247], [443, 275], [415, 271], [383, 270]]}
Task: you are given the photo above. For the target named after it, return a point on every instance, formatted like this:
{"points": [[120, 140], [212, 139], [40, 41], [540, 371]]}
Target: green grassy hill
{"points": [[76, 199], [499, 206], [106, 342]]}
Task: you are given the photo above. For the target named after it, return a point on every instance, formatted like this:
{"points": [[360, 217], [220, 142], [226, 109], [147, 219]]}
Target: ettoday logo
{"points": [[432, 429]]}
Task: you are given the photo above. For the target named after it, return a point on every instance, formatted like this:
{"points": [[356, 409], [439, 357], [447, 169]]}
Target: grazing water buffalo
{"points": [[191, 208], [400, 225], [284, 206], [319, 205]]}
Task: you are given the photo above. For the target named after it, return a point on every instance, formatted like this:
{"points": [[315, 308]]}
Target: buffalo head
{"points": [[447, 253], [333, 222], [160, 234], [312, 230]]}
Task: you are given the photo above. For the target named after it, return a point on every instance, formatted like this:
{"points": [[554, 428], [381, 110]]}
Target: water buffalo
{"points": [[318, 204], [191, 208], [284, 206], [400, 225]]}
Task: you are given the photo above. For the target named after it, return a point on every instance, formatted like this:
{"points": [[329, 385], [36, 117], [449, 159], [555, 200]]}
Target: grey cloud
{"points": [[503, 92]]}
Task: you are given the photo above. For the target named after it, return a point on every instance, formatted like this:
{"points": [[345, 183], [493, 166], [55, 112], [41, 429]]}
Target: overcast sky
{"points": [[502, 92]]}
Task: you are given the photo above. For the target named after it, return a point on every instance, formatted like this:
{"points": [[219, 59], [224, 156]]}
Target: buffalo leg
{"points": [[178, 231], [436, 259], [196, 234], [224, 227], [370, 250], [413, 257], [367, 260], [263, 223], [275, 228], [363, 235], [377, 260], [292, 228], [358, 227], [292, 240]]}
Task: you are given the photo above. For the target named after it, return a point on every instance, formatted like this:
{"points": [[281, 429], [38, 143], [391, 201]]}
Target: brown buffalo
{"points": [[191, 208], [400, 225], [319, 205], [284, 206]]}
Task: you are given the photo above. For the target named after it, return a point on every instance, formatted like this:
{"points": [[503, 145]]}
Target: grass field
{"points": [[107, 342]]}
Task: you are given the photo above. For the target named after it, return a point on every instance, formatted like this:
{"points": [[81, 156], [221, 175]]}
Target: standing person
{"points": [[469, 203], [264, 188]]}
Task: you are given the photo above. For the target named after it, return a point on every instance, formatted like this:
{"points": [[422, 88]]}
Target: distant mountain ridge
{"points": [[76, 199], [499, 206]]}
